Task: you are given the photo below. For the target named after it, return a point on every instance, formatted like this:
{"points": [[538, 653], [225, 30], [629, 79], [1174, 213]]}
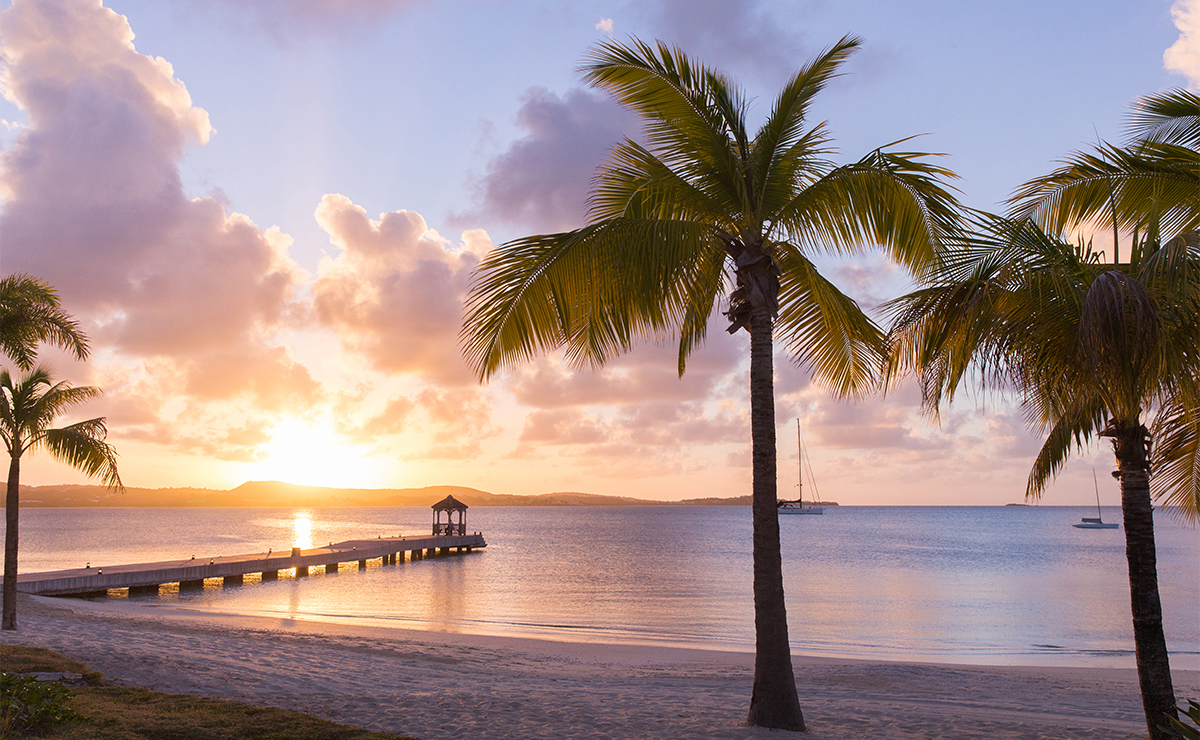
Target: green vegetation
{"points": [[27, 409], [30, 314], [119, 713], [25, 659], [29, 705], [703, 208], [1179, 728], [1095, 349]]}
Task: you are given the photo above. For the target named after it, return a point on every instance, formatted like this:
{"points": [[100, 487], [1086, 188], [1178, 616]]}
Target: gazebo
{"points": [[449, 527]]}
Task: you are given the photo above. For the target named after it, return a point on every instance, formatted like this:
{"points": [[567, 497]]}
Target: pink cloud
{"points": [[542, 180], [648, 373], [877, 423], [395, 292], [435, 423], [94, 204]]}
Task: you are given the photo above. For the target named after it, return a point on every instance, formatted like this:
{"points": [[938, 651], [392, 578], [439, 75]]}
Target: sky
{"points": [[266, 216]]}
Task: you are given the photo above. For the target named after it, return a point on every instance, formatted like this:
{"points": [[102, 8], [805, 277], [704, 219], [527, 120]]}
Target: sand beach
{"points": [[438, 686]]}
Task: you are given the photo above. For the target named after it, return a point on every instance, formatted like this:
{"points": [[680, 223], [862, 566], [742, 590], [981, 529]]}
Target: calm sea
{"points": [[1005, 585]]}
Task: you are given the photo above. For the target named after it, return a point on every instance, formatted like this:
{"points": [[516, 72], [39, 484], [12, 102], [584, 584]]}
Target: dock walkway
{"points": [[142, 578]]}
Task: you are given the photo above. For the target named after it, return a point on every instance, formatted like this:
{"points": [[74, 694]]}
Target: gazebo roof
{"points": [[449, 503]]}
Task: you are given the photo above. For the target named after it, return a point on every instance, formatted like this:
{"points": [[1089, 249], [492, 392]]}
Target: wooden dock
{"points": [[146, 578]]}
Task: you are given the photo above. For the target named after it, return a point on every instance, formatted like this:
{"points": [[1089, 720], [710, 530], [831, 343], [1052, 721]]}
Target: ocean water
{"points": [[991, 585]]}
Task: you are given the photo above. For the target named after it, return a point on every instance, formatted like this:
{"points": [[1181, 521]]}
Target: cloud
{"points": [[541, 181], [561, 427], [605, 26], [1184, 55], [732, 34], [640, 443], [395, 292], [95, 205], [433, 424], [645, 374], [878, 423]]}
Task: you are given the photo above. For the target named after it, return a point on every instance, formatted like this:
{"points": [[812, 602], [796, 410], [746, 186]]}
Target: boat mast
{"points": [[799, 464], [1097, 485]]}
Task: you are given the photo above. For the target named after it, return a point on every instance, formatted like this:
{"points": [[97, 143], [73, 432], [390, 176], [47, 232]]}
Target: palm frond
{"points": [[894, 199], [585, 290], [82, 446], [826, 330], [690, 112], [709, 280], [57, 400], [1073, 430], [1176, 461], [1000, 307], [30, 314], [1152, 186], [1173, 268], [1171, 117], [634, 183], [29, 406], [782, 146]]}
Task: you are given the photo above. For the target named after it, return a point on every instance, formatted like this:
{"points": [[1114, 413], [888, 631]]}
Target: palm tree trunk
{"points": [[9, 619], [1150, 644], [774, 702]]}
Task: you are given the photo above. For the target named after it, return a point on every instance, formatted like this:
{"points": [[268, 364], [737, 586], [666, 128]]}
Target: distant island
{"points": [[275, 493]]}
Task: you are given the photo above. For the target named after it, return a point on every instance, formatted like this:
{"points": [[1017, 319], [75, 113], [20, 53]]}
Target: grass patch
{"points": [[129, 713], [25, 659], [126, 713]]}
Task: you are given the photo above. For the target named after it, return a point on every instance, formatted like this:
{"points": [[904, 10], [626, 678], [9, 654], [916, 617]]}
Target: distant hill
{"points": [[275, 493]]}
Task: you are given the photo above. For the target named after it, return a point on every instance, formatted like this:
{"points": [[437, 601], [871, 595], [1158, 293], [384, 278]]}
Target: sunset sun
{"points": [[314, 454]]}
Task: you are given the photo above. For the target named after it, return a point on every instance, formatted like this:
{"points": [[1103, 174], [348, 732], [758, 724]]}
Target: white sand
{"points": [[438, 686]]}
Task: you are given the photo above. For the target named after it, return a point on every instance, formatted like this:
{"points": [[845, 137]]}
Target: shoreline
{"points": [[438, 685], [1101, 660]]}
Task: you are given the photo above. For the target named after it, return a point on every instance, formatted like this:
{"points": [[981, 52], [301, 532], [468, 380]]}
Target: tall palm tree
{"points": [[702, 209], [1094, 349], [27, 409], [30, 314]]}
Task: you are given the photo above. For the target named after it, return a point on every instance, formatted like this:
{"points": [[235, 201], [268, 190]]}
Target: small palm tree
{"points": [[30, 314], [704, 208], [27, 409], [1094, 349]]}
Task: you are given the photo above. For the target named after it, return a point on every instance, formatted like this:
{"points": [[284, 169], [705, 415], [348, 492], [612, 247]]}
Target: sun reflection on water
{"points": [[302, 530]]}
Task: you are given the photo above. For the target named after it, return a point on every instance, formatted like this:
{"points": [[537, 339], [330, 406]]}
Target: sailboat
{"points": [[1097, 522], [797, 506]]}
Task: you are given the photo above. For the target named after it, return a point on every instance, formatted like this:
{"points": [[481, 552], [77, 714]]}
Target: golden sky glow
{"points": [[267, 222], [313, 454]]}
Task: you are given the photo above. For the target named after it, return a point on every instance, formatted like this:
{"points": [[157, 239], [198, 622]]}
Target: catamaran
{"points": [[797, 506], [1097, 522]]}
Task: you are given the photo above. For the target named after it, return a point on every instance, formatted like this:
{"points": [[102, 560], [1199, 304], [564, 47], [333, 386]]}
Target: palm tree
{"points": [[27, 409], [30, 314], [1094, 349], [674, 223]]}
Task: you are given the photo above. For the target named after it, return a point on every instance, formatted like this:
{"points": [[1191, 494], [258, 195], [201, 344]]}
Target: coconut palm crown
{"points": [[28, 408], [701, 210]]}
